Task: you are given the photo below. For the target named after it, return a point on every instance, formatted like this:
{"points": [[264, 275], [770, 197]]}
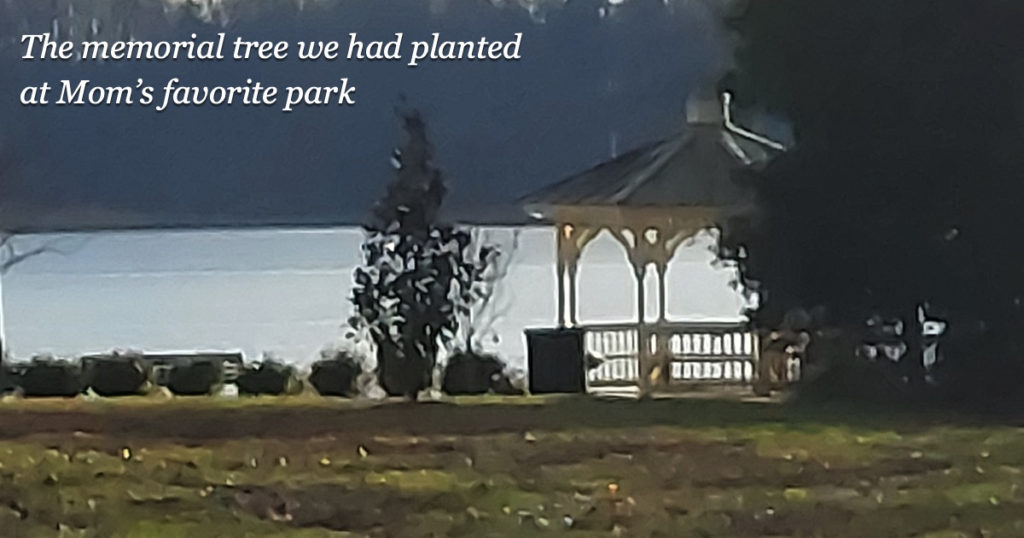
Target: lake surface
{"points": [[286, 291]]}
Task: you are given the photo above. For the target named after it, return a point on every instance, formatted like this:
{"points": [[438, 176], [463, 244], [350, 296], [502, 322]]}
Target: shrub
{"points": [[269, 377], [980, 373], [197, 378], [854, 379], [472, 373], [47, 377], [336, 375], [8, 379], [511, 383], [8, 373], [117, 375], [837, 373], [403, 372]]}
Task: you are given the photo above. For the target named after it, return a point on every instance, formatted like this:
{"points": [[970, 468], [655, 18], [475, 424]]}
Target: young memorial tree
{"points": [[419, 275]]}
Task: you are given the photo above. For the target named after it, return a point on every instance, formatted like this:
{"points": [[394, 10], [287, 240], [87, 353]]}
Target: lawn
{"points": [[500, 467]]}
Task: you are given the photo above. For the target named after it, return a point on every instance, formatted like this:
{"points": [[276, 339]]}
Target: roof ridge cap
{"points": [[678, 142]]}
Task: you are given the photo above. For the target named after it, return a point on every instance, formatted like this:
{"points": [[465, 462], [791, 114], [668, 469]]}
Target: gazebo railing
{"points": [[701, 352]]}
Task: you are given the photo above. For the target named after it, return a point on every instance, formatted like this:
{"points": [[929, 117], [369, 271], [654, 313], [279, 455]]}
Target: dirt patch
{"points": [[764, 472], [817, 520]]}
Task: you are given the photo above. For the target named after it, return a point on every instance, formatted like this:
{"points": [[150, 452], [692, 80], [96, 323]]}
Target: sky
{"points": [[587, 84]]}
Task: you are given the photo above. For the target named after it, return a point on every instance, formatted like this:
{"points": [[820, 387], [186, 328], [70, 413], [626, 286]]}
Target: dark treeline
{"points": [[905, 186]]}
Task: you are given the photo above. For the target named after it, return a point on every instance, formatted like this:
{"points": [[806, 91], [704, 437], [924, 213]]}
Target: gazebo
{"points": [[651, 200]]}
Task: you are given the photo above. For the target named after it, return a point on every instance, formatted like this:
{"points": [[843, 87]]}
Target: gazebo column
{"points": [[643, 333], [661, 269], [560, 281], [638, 252], [573, 270], [572, 239], [663, 359], [664, 239]]}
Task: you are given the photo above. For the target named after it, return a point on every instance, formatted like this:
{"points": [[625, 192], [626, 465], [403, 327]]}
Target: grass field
{"points": [[494, 467]]}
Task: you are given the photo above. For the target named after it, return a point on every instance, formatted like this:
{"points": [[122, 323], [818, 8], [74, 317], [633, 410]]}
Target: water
{"points": [[286, 291]]}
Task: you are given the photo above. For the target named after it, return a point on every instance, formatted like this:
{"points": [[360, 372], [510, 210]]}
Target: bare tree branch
{"points": [[490, 304], [11, 256]]}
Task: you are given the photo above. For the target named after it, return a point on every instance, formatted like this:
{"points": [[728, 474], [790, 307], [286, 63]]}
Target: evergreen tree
{"points": [[419, 274]]}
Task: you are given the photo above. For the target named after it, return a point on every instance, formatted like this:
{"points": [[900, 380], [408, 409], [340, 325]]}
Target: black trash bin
{"points": [[556, 361]]}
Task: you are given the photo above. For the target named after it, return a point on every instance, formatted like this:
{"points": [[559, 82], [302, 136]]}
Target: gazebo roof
{"points": [[693, 169]]}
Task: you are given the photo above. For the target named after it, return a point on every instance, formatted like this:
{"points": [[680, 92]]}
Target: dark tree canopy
{"points": [[906, 179]]}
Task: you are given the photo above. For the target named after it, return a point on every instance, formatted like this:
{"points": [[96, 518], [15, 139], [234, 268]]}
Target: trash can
{"points": [[556, 360]]}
